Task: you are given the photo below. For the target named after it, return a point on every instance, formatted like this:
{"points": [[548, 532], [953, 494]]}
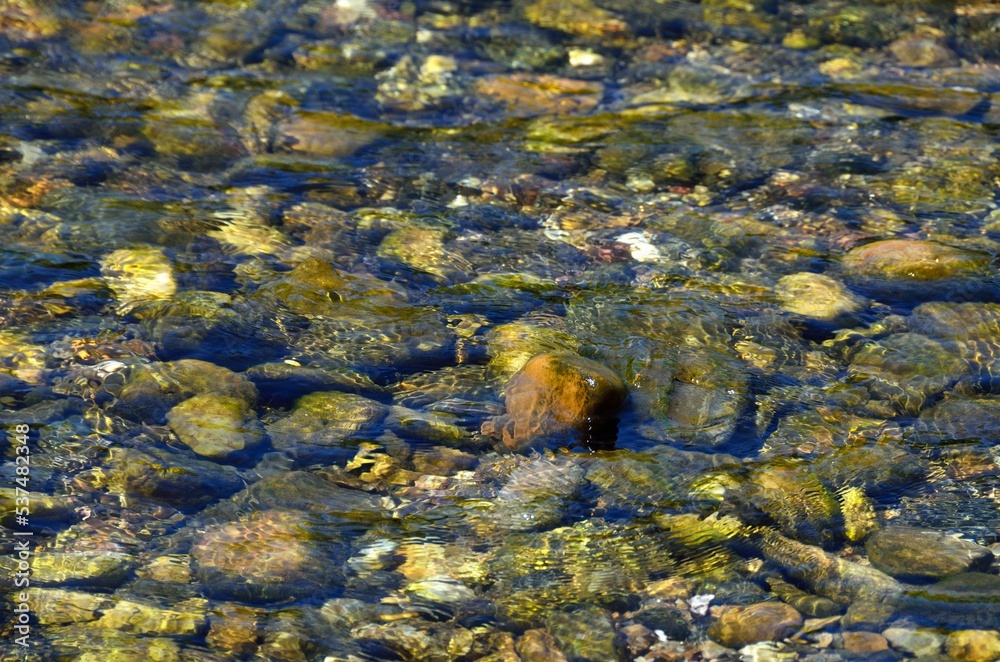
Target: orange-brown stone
{"points": [[764, 621], [554, 393], [864, 642], [526, 94]]}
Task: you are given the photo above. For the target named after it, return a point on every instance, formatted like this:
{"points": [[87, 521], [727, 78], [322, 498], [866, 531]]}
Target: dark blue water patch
{"points": [[31, 269], [222, 347], [903, 296]]}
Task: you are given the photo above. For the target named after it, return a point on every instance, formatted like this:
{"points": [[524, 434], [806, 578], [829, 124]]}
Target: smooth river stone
{"points": [[215, 426], [764, 621], [973, 645], [817, 296], [909, 259], [913, 554], [554, 393]]}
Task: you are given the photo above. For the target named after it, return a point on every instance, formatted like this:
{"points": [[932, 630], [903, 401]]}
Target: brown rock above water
{"points": [[553, 394], [764, 621]]}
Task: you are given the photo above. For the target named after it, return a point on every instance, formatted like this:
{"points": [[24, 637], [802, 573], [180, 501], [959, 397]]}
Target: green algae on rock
{"points": [[323, 423], [166, 477], [957, 419], [57, 606], [512, 345], [973, 645], [817, 296], [103, 570], [152, 389], [215, 426], [905, 259], [907, 369], [795, 498], [187, 618]]}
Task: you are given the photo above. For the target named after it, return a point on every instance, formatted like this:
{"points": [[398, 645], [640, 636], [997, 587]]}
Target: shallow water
{"points": [[271, 275]]}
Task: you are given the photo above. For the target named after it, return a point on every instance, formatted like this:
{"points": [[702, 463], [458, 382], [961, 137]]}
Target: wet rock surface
{"points": [[817, 296], [320, 424], [151, 390], [555, 393], [913, 554], [764, 621], [286, 561], [215, 426], [973, 645]]}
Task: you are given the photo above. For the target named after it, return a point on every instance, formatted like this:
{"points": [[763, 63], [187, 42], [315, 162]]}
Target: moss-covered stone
{"points": [[322, 424], [806, 603], [186, 618], [105, 570], [973, 645], [166, 477], [867, 615], [512, 345], [215, 426], [877, 468], [436, 427], [817, 296], [422, 249], [188, 133], [907, 369], [59, 508], [58, 606], [794, 497], [576, 17], [584, 634], [316, 288], [828, 575], [912, 259], [152, 389], [235, 628], [860, 519], [956, 419]]}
